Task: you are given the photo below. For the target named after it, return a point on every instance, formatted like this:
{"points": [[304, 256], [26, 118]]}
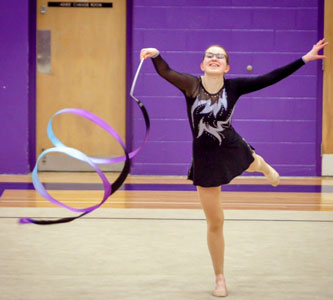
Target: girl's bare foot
{"points": [[221, 288], [272, 176]]}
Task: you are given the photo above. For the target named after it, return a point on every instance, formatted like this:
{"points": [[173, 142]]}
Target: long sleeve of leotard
{"points": [[185, 82], [251, 84]]}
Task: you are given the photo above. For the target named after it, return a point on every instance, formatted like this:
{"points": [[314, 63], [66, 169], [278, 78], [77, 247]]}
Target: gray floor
{"points": [[162, 254]]}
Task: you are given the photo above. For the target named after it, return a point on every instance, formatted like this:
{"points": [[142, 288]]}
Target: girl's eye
{"points": [[218, 55]]}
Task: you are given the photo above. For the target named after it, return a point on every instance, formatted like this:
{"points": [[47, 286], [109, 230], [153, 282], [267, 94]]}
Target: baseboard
{"points": [[62, 163], [327, 165]]}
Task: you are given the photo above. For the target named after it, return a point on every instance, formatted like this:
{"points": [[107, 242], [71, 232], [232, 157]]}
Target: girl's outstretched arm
{"points": [[185, 82], [250, 84]]}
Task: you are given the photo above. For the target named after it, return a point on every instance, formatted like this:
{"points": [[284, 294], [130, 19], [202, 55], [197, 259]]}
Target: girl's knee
{"points": [[256, 164], [215, 224]]}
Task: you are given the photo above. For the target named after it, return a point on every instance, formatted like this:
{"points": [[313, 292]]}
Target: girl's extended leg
{"points": [[259, 165], [212, 206]]}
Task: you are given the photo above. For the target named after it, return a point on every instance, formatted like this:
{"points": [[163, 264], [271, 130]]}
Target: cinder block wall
{"points": [[279, 121]]}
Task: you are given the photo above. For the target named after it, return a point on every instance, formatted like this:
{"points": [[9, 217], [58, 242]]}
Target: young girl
{"points": [[219, 152]]}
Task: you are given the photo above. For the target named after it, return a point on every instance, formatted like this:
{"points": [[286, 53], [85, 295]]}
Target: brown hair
{"points": [[219, 46]]}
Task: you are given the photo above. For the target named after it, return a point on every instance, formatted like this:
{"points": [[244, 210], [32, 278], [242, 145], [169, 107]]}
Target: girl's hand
{"points": [[313, 53], [148, 52]]}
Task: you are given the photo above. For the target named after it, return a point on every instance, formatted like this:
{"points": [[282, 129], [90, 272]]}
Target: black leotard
{"points": [[219, 152]]}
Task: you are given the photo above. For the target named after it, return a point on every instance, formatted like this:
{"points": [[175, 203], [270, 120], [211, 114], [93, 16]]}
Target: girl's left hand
{"points": [[313, 53]]}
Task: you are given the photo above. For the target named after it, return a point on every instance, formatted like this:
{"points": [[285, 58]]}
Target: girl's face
{"points": [[215, 62]]}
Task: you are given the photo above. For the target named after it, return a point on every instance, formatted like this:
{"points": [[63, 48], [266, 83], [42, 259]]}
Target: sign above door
{"points": [[80, 4]]}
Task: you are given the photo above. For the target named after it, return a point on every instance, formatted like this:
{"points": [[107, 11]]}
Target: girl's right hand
{"points": [[148, 52]]}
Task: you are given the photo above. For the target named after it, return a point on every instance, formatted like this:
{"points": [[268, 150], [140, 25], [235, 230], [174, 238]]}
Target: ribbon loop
{"points": [[59, 147]]}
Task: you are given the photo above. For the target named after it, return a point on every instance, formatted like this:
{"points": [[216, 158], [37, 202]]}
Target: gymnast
{"points": [[219, 153]]}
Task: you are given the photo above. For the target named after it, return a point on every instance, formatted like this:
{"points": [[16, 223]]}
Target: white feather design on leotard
{"points": [[215, 131], [216, 107], [220, 105]]}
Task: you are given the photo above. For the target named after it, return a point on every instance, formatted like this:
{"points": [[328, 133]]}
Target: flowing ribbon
{"points": [[59, 147]]}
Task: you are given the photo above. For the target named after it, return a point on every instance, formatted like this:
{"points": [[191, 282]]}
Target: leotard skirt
{"points": [[217, 162]]}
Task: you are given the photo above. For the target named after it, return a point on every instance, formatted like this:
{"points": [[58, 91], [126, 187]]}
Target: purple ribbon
{"points": [[59, 147]]}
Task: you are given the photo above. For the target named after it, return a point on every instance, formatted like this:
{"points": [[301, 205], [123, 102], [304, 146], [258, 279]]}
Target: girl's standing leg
{"points": [[212, 206]]}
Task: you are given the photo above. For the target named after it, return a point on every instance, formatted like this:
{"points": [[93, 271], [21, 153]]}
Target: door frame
{"points": [[32, 28], [32, 78], [326, 159], [320, 82]]}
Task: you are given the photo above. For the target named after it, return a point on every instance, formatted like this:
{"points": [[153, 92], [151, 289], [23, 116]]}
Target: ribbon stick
{"points": [[59, 147]]}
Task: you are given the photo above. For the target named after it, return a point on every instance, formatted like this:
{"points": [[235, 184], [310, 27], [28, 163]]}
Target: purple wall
{"points": [[14, 86], [282, 122], [279, 121]]}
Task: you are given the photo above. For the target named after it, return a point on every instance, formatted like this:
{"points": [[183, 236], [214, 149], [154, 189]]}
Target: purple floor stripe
{"points": [[170, 187]]}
